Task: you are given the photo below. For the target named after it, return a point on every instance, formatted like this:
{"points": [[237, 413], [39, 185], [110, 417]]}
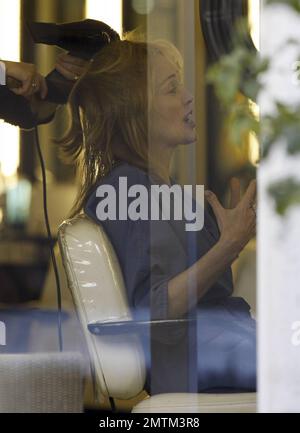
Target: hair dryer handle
{"points": [[59, 87]]}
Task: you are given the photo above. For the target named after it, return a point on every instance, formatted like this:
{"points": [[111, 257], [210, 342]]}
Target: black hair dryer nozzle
{"points": [[81, 39]]}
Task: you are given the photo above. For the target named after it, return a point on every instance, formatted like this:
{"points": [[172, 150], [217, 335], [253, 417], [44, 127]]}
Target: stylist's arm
{"points": [[30, 81], [24, 80]]}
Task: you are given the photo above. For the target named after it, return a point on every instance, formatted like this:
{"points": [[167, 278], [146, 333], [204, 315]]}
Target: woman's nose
{"points": [[187, 97]]}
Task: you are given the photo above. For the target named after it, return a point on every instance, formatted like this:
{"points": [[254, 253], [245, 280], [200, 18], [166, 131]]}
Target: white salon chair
{"points": [[96, 282]]}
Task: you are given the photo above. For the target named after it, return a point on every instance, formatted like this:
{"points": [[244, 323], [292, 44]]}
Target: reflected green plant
{"points": [[241, 71], [285, 193]]}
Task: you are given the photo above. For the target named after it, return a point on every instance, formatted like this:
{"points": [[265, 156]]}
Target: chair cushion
{"points": [[198, 403]]}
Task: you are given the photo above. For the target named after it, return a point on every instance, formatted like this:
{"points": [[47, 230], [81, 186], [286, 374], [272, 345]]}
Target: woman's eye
{"points": [[173, 89]]}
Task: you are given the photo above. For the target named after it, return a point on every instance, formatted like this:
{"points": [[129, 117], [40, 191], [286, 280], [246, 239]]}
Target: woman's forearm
{"points": [[188, 287]]}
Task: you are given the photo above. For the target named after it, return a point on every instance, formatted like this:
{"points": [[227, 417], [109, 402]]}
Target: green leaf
{"points": [[294, 4], [241, 70], [285, 193]]}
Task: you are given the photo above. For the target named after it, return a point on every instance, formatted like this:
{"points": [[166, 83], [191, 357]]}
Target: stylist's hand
{"points": [[236, 224], [71, 67], [31, 81]]}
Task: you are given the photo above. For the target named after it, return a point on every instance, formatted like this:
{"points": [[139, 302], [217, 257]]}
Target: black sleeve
{"points": [[16, 110]]}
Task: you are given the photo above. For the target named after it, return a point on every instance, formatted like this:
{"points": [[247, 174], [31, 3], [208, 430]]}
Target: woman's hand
{"points": [[236, 224], [71, 67], [31, 81]]}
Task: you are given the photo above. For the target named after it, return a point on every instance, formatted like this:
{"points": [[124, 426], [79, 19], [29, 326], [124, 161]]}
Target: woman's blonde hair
{"points": [[109, 107]]}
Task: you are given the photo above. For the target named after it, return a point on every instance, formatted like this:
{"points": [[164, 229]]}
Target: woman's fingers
{"points": [[235, 190], [250, 195], [214, 202]]}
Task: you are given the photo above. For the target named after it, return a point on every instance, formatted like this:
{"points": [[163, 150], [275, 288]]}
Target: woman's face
{"points": [[172, 118]]}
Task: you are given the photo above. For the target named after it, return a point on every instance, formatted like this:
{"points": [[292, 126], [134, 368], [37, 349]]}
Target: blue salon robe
{"points": [[221, 343]]}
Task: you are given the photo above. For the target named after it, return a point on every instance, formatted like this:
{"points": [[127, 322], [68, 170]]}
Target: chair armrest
{"points": [[132, 326]]}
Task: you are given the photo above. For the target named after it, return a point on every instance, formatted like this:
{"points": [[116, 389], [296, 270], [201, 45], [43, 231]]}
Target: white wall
{"points": [[278, 238]]}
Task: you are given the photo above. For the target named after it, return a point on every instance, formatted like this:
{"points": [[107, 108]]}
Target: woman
{"points": [[129, 113]]}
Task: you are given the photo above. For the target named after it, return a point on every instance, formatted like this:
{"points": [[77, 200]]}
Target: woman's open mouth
{"points": [[188, 119]]}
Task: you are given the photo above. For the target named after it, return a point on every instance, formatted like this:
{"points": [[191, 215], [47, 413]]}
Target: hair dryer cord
{"points": [[51, 245]]}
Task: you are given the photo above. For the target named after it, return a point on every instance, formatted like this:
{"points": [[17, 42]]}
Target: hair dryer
{"points": [[81, 39]]}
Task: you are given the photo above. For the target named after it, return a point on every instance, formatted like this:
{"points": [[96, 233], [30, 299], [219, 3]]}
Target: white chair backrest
{"points": [[96, 282]]}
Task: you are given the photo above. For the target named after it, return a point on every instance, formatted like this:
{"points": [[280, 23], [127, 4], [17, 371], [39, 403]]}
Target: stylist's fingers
{"points": [[69, 75], [67, 58], [235, 190], [28, 87], [37, 85], [25, 86], [43, 89], [71, 69], [68, 71], [75, 69]]}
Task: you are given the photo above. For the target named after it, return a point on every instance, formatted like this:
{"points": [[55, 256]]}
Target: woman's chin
{"points": [[191, 138]]}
